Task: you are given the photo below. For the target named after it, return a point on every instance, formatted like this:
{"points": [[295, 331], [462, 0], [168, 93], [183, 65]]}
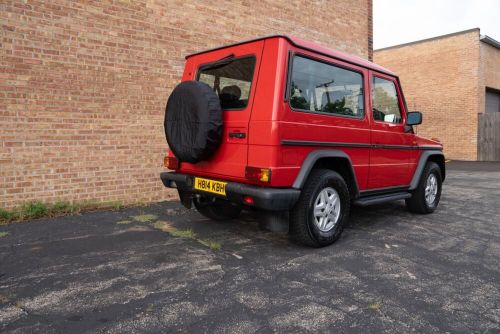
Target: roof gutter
{"points": [[490, 41]]}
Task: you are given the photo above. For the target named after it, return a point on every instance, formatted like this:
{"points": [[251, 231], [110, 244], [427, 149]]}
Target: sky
{"points": [[402, 21]]}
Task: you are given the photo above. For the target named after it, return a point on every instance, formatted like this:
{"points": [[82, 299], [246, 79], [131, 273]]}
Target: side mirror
{"points": [[414, 118]]}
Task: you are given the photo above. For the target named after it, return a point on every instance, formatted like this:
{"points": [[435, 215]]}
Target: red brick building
{"points": [[83, 84], [454, 80]]}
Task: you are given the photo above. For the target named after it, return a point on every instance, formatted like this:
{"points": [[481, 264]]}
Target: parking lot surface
{"points": [[166, 269]]}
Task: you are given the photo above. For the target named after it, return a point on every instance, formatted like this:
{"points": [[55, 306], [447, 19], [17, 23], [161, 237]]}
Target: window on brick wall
{"points": [[492, 101]]}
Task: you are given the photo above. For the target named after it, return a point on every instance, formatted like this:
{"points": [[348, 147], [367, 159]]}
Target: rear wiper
{"points": [[221, 62], [229, 56]]}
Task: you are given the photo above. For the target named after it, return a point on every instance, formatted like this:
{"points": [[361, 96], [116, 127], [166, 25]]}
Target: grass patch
{"points": [[186, 234], [166, 227], [144, 218], [124, 222], [3, 234], [5, 215], [37, 209], [161, 225], [62, 207], [33, 209], [374, 306], [3, 299], [212, 244], [95, 205]]}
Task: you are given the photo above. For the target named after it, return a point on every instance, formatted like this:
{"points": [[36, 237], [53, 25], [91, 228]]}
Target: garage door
{"points": [[492, 101], [489, 128]]}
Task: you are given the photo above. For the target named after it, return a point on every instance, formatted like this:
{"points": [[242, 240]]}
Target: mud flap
{"points": [[186, 198]]}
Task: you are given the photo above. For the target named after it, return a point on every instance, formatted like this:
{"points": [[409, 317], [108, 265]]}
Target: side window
{"points": [[320, 87], [385, 101], [231, 80]]}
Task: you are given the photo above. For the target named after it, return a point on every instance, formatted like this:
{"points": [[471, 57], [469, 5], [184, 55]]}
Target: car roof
{"points": [[310, 46]]}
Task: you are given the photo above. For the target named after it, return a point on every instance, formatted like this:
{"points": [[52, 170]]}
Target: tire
{"points": [[419, 202], [216, 209], [304, 226], [193, 121]]}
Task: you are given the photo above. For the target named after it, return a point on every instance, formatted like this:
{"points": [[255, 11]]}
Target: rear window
{"points": [[231, 80]]}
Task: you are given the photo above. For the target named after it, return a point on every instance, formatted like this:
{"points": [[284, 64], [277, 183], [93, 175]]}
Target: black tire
{"points": [[193, 121], [216, 209], [303, 227], [417, 203]]}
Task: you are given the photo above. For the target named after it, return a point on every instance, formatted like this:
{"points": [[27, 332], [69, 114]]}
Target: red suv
{"points": [[284, 125]]}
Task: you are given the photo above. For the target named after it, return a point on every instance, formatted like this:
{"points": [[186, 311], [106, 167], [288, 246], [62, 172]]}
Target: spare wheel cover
{"points": [[193, 121]]}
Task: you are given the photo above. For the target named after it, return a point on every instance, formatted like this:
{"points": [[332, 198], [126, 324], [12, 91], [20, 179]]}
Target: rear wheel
{"points": [[216, 209], [425, 198], [322, 210]]}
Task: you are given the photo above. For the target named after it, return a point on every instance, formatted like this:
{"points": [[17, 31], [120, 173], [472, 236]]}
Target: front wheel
{"points": [[322, 210], [216, 209], [426, 196]]}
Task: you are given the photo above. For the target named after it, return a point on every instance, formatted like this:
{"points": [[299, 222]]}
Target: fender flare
{"points": [[313, 157], [424, 157]]}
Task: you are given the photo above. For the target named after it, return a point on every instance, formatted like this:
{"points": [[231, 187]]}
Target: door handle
{"points": [[239, 135]]}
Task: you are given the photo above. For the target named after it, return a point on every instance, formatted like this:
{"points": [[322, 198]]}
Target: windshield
{"points": [[231, 80]]}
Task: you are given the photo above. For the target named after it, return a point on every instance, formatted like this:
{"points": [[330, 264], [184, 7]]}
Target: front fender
{"points": [[424, 157]]}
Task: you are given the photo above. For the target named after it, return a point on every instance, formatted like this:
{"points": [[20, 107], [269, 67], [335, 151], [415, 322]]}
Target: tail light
{"points": [[171, 162], [258, 174]]}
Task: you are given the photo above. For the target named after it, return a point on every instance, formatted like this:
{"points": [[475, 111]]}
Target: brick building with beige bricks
{"points": [[83, 84], [454, 80]]}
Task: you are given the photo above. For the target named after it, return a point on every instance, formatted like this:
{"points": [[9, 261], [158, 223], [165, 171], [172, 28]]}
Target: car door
{"points": [[232, 73], [326, 110], [391, 142]]}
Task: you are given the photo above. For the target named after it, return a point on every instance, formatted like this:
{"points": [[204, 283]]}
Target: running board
{"points": [[377, 199]]}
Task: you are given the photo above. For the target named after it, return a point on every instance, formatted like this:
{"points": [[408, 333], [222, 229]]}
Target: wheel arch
{"points": [[434, 156], [335, 160]]}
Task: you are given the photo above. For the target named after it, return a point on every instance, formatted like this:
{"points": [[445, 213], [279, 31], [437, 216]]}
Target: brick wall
{"points": [[440, 78], [489, 72], [83, 84], [490, 61]]}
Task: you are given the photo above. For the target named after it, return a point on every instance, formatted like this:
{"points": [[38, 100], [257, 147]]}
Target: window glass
{"points": [[385, 101], [231, 80], [492, 101], [320, 87]]}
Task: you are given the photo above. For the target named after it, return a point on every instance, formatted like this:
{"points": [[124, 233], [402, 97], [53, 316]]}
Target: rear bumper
{"points": [[272, 199]]}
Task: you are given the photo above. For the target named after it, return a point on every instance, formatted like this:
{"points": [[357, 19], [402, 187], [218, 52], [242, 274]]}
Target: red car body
{"points": [[382, 154], [294, 137]]}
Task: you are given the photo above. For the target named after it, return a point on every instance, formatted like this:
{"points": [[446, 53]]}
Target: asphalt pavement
{"points": [[165, 269]]}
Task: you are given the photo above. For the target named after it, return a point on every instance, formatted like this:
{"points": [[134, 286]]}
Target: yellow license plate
{"points": [[211, 186]]}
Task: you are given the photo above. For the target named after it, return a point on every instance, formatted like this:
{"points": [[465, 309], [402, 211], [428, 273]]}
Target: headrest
{"points": [[232, 93]]}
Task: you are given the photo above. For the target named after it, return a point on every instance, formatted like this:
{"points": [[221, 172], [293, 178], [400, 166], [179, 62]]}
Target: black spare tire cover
{"points": [[193, 121]]}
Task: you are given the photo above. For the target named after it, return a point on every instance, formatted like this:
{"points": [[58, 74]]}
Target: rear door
{"points": [[391, 144], [232, 73]]}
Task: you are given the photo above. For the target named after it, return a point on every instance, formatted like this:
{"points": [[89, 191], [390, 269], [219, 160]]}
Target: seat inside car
{"points": [[230, 97]]}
